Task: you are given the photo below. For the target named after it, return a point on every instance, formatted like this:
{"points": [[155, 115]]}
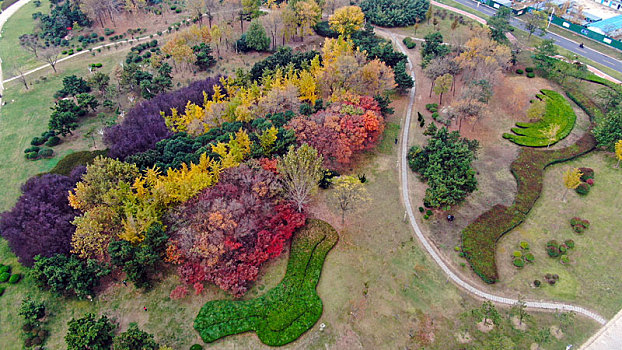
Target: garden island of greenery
{"points": [[219, 174]]}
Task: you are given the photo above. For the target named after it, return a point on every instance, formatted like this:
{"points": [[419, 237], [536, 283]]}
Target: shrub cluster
{"points": [[522, 256], [285, 312], [555, 249], [558, 112], [32, 312], [136, 54], [579, 225], [480, 237], [409, 42], [551, 278]]}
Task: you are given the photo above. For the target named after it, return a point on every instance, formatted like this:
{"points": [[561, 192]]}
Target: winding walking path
{"points": [[432, 250]]}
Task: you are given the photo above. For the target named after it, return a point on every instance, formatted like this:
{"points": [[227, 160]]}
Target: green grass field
{"points": [[593, 278], [13, 55]]}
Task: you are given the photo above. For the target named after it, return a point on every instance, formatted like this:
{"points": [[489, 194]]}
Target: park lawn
{"points": [[462, 7], [593, 278], [13, 55]]}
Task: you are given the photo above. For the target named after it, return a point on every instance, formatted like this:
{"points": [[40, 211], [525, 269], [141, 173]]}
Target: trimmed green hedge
{"points": [[71, 161], [480, 237], [558, 111], [285, 312]]}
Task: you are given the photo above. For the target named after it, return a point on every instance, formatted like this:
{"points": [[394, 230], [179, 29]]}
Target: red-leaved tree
{"points": [[342, 130], [225, 233]]}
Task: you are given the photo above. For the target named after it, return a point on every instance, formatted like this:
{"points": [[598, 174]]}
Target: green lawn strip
{"points": [[480, 237], [285, 312], [558, 112]]}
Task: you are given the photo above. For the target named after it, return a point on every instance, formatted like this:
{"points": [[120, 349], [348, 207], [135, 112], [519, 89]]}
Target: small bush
{"points": [[426, 216], [518, 262], [552, 248], [409, 42], [32, 149], [4, 276], [37, 141], [428, 212], [519, 71], [590, 182], [531, 75], [564, 259], [46, 153], [32, 155], [517, 254], [435, 116], [421, 210], [537, 283], [569, 243], [587, 173], [529, 69], [196, 347], [5, 269], [432, 107], [15, 278], [52, 141], [529, 257], [524, 245], [583, 189]]}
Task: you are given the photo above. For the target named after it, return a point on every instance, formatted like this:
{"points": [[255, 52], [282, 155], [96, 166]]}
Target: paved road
{"points": [[543, 305], [567, 44]]}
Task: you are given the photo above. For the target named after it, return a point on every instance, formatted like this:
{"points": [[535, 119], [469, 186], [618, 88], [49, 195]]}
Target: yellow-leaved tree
{"points": [[618, 152], [347, 20], [233, 152], [572, 180], [550, 133], [348, 194]]}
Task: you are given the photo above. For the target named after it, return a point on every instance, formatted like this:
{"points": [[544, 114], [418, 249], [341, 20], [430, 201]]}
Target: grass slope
{"points": [[558, 113], [284, 313]]}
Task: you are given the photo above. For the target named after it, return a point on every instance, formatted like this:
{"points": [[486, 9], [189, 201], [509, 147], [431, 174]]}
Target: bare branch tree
{"points": [[51, 55]]}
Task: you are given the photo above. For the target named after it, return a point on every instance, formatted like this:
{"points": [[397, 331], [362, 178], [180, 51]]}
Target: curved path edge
{"points": [[542, 305]]}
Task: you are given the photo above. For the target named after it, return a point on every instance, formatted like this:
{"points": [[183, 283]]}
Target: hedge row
{"points": [[598, 80], [285, 312], [71, 161], [558, 111], [480, 237]]}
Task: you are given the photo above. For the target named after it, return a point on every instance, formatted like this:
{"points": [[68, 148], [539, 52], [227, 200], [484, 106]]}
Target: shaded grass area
{"points": [[12, 53], [479, 238], [593, 278], [284, 313], [558, 114]]}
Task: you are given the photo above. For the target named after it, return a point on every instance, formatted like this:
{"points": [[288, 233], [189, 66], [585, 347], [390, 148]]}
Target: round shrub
{"points": [[32, 149], [587, 173], [518, 262], [5, 268], [15, 278], [52, 141], [529, 257], [421, 210], [583, 189], [552, 248], [409, 42], [519, 71], [563, 249], [46, 153], [590, 182], [32, 155], [537, 283], [425, 217], [457, 248], [4, 276], [428, 212], [196, 347], [531, 75], [564, 259], [569, 243], [517, 254], [529, 69], [435, 116], [37, 141], [524, 245]]}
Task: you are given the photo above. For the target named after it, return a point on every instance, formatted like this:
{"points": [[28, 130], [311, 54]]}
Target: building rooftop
{"points": [[608, 25]]}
